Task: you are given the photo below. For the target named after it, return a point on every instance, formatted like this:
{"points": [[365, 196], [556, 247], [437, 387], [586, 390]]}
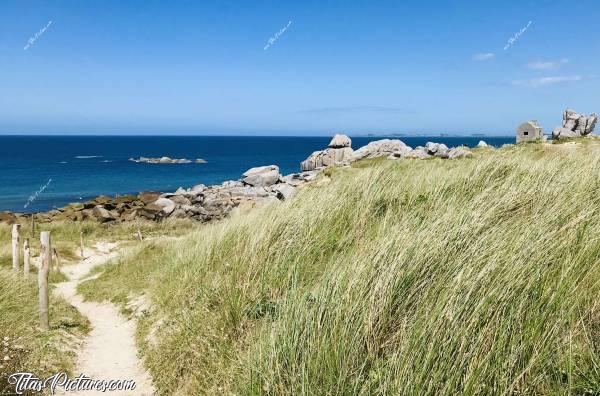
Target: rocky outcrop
{"points": [[437, 149], [339, 152], [575, 125], [381, 148], [148, 196], [166, 160], [340, 141], [458, 152], [167, 206], [102, 214], [258, 186], [285, 191], [482, 144], [261, 176], [327, 157]]}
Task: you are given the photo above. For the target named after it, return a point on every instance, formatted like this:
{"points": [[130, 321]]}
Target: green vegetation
{"points": [[22, 346], [46, 353], [474, 276], [65, 235], [439, 277]]}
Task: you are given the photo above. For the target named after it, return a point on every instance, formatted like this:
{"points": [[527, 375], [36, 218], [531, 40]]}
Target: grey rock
{"points": [[179, 214], [261, 176], [564, 133], [197, 189], [180, 200], [437, 149], [296, 179], [163, 160], [327, 157], [381, 148], [194, 209], [419, 152], [102, 214], [215, 200], [575, 125], [181, 191], [459, 152], [148, 196], [232, 183], [248, 192], [167, 206], [340, 141], [284, 191]]}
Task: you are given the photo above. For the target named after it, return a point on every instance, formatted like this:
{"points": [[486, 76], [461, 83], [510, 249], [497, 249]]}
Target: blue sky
{"points": [[177, 67]]}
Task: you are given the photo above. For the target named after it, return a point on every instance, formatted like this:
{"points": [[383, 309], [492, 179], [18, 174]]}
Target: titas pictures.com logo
{"points": [[23, 382]]}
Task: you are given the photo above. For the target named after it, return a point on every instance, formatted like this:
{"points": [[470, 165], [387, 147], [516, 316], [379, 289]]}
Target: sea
{"points": [[39, 173]]}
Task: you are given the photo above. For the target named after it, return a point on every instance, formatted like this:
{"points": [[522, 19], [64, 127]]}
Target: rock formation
{"points": [[575, 125], [458, 152], [261, 176], [338, 152], [437, 149], [340, 141], [258, 187], [166, 160], [381, 148]]}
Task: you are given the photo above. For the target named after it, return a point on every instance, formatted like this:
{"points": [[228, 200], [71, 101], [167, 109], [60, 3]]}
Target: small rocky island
{"points": [[167, 160]]}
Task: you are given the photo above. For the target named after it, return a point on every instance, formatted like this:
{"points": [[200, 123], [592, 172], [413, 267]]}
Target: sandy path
{"points": [[109, 352]]}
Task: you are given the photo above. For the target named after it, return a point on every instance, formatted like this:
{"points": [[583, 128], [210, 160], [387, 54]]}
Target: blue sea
{"points": [[45, 172]]}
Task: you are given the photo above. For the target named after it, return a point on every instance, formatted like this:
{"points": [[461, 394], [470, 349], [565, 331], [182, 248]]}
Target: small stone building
{"points": [[529, 131]]}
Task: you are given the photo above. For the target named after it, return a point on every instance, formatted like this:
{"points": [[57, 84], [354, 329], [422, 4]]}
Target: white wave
{"points": [[88, 156]]}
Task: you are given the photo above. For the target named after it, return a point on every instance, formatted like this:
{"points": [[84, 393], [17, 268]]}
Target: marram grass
{"points": [[475, 276]]}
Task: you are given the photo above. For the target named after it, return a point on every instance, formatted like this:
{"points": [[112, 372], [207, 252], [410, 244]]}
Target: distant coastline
{"points": [[83, 167]]}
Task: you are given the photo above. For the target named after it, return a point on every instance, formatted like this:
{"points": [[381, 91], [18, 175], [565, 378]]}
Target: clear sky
{"points": [[176, 67]]}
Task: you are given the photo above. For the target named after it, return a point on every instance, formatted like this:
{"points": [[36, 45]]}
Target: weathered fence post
{"points": [[81, 245], [26, 257], [16, 246], [45, 264]]}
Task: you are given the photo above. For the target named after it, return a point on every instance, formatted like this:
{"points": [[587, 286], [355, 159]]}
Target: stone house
{"points": [[529, 131]]}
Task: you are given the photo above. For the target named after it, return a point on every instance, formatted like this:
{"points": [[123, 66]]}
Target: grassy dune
{"points": [[437, 277]]}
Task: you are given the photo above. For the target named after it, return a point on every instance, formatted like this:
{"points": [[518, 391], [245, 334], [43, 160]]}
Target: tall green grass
{"points": [[473, 276], [23, 347], [26, 348]]}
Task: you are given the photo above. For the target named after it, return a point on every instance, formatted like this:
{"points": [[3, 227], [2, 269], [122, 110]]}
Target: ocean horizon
{"points": [[42, 172]]}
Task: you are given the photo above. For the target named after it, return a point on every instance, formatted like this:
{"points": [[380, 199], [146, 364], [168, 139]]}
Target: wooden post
{"points": [[139, 234], [81, 245], [26, 257], [16, 246], [45, 264]]}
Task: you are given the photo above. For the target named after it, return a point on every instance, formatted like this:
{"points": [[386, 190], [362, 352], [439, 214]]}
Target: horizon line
{"points": [[393, 134]]}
